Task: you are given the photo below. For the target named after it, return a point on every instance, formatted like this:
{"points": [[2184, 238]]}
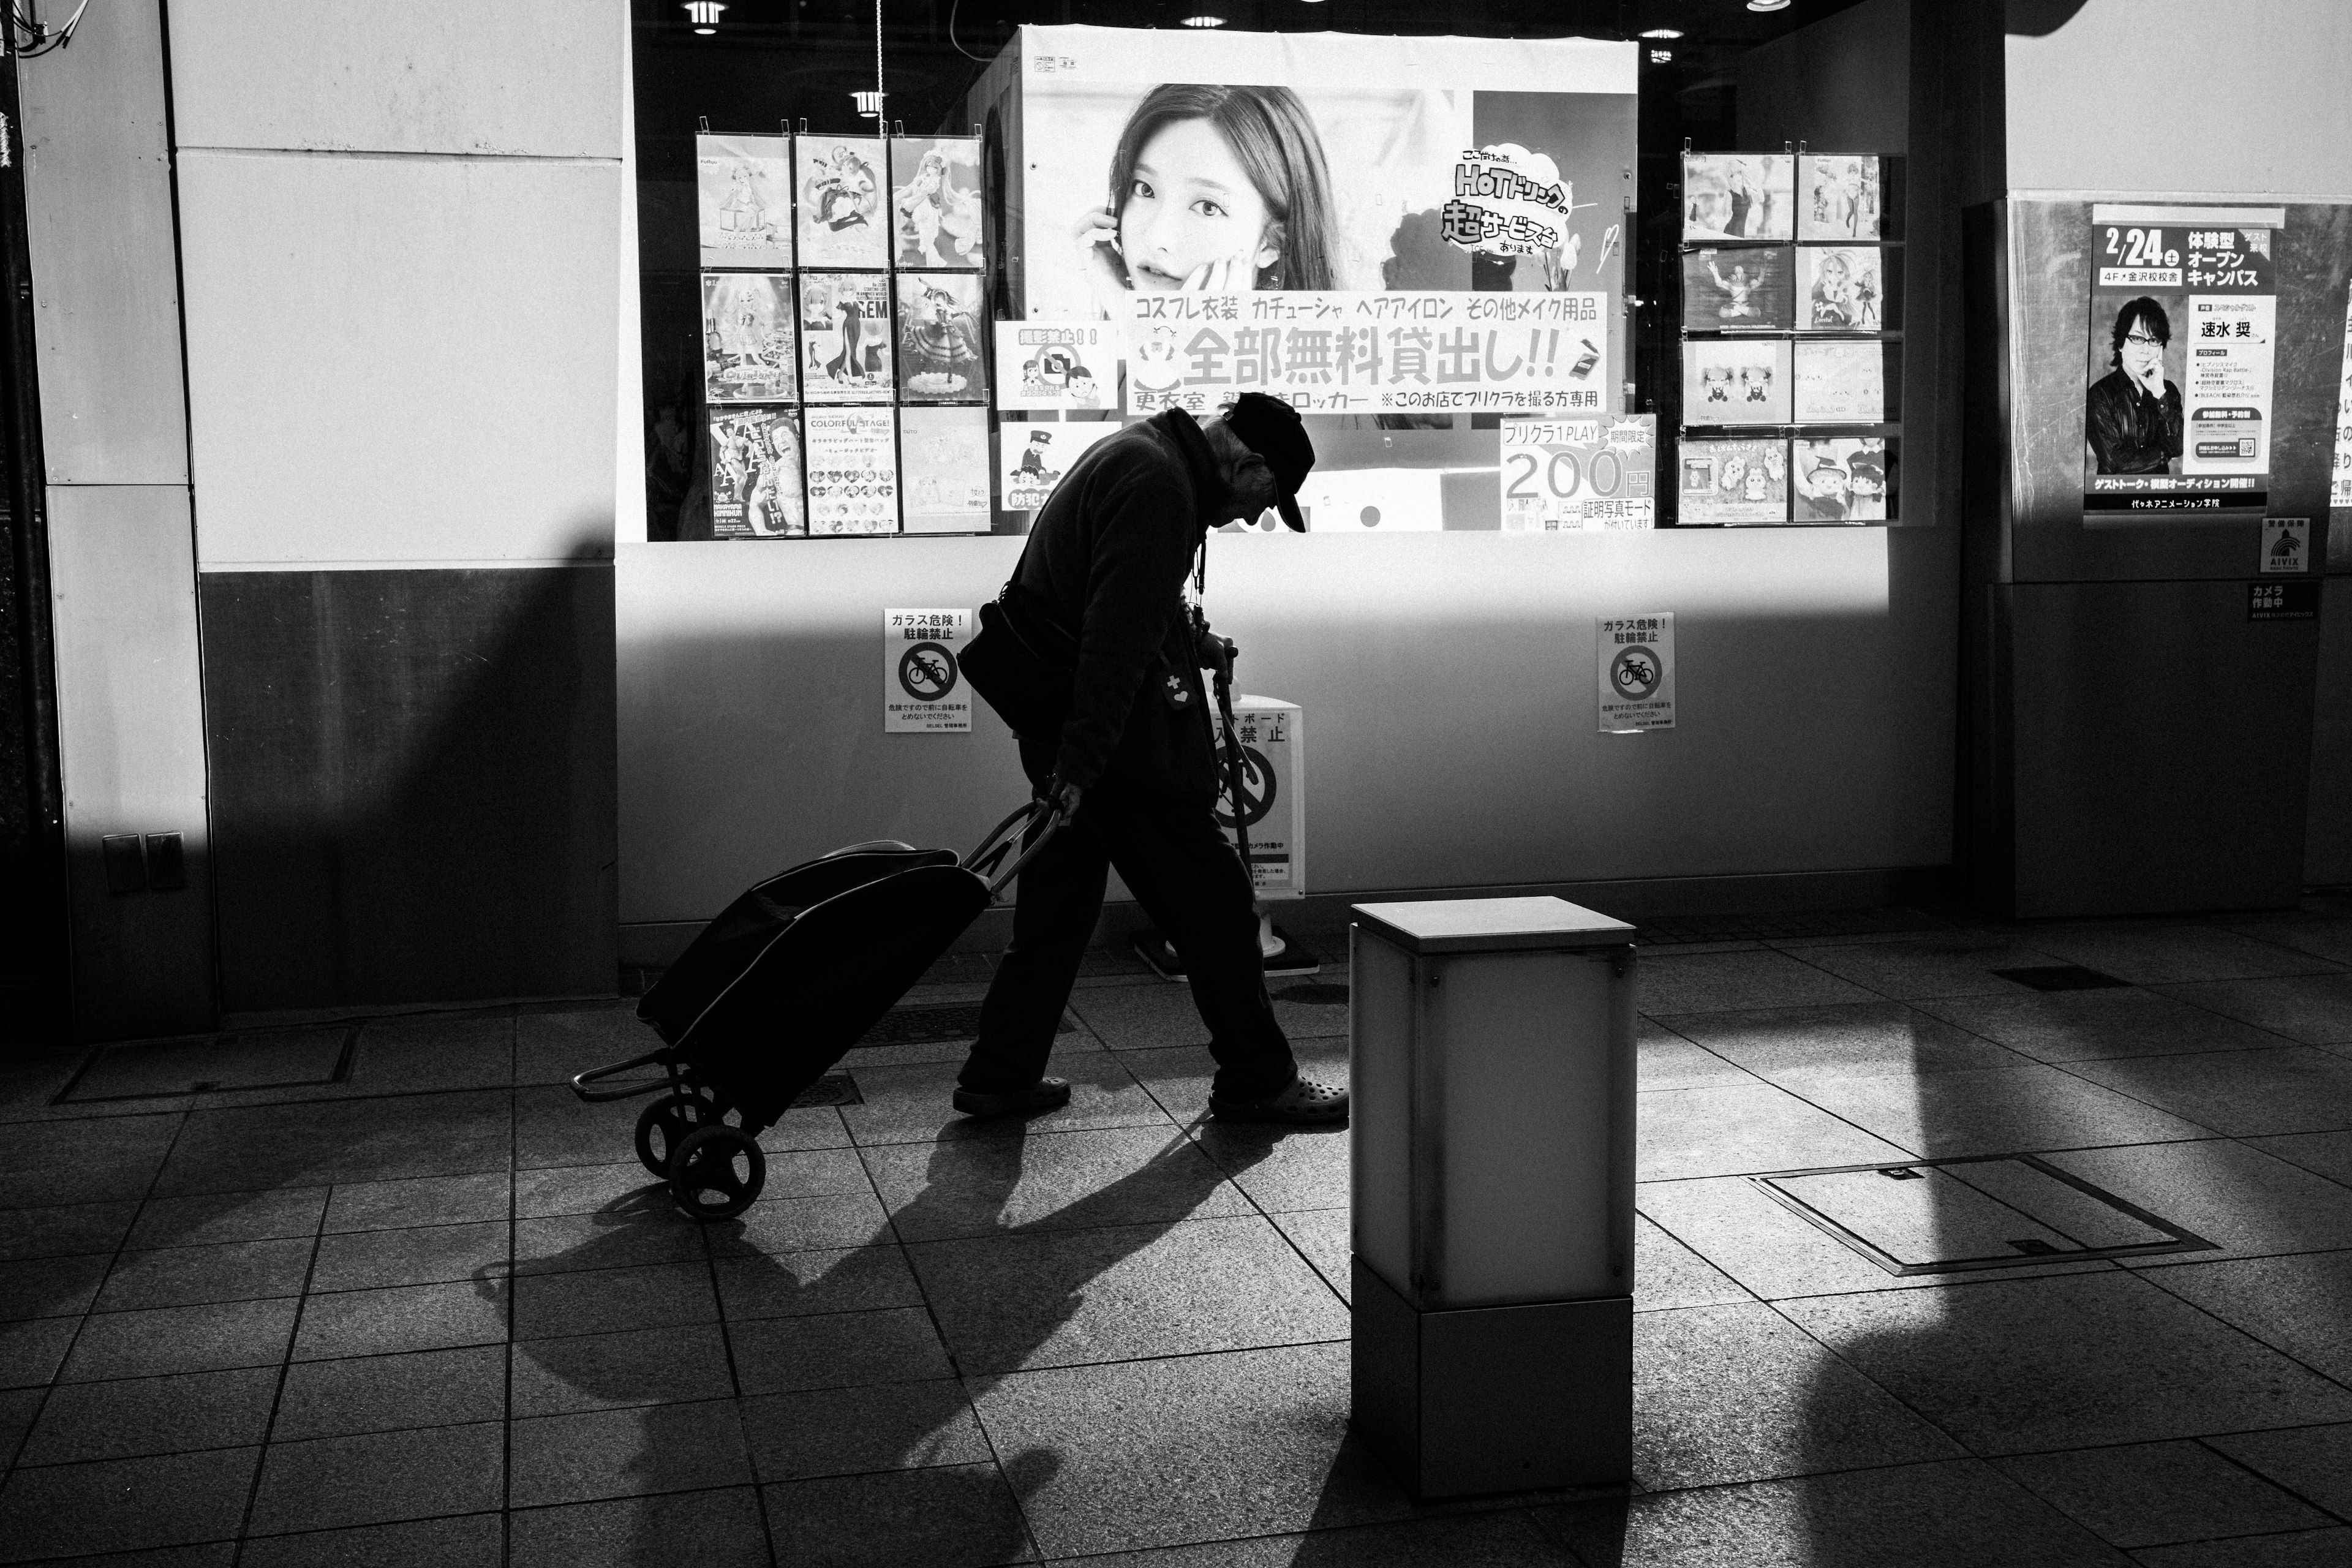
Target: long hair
{"points": [[1275, 141]]}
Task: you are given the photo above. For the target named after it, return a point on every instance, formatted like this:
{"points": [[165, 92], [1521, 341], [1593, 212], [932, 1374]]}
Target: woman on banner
{"points": [[1217, 190]]}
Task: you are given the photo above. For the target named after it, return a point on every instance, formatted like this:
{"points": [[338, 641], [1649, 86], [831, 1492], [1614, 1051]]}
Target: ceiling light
{"points": [[1663, 33], [1204, 20], [704, 15], [869, 105], [1768, 4], [1662, 56]]}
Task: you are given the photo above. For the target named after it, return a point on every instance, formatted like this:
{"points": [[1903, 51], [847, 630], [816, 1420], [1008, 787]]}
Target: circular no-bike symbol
{"points": [[926, 672], [1257, 789], [1636, 672]]}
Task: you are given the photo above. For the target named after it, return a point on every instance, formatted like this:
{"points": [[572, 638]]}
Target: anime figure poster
{"points": [[842, 218], [942, 351], [1057, 364], [1843, 479], [935, 214], [853, 471], [743, 200], [1733, 482], [747, 338], [1841, 196], [845, 337], [1736, 380], [755, 474], [943, 473], [1846, 288], [1844, 383], [1032, 459], [1742, 289], [1739, 195]]}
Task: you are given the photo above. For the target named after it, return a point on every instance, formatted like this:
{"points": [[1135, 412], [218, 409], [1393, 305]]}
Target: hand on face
{"points": [[1097, 238]]}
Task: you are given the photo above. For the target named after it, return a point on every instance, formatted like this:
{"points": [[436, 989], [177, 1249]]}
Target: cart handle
{"points": [[580, 1081], [984, 861]]}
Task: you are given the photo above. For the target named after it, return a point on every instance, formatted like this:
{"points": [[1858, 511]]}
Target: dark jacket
{"points": [[1106, 563], [2130, 432]]}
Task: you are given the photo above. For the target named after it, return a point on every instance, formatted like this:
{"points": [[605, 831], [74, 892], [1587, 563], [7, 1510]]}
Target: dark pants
{"points": [[1191, 884]]}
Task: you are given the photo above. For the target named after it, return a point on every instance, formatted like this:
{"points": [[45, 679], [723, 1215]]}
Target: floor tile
{"points": [[391, 1393], [2314, 1462], [228, 1216], [2315, 1009], [471, 1540], [982, 1186], [129, 1417], [1322, 1235], [18, 1408], [181, 1338], [1686, 1133], [2329, 938], [2300, 1305], [552, 1047], [778, 1225], [124, 1505], [670, 1365], [643, 1228], [420, 1255], [2154, 1494], [1156, 1452], [839, 1350], [191, 1276], [1059, 1298], [2295, 1089], [2083, 1025], [402, 1318], [610, 1300], [2016, 1366], [1157, 1014], [2326, 1154], [1794, 1046], [1735, 1394], [719, 1528], [2224, 1192], [327, 1483], [848, 1431], [427, 1051], [1280, 1168], [628, 1453], [54, 1163], [365, 1140], [1958, 964], [1666, 1274], [585, 1189], [50, 1287], [64, 1230], [1714, 981], [1668, 1060], [910, 1104], [1496, 1540], [2158, 955], [2029, 1107], [2305, 1549], [798, 1284], [959, 1516], [1958, 1514], [420, 1200], [31, 1350]]}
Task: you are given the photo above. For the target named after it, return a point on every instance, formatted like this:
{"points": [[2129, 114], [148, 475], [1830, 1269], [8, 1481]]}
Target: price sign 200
{"points": [[1606, 470]]}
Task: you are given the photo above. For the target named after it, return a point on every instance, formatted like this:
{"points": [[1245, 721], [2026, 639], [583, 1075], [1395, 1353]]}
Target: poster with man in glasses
{"points": [[2176, 410]]}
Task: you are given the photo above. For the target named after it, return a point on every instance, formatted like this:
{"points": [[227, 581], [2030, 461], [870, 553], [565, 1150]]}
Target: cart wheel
{"points": [[717, 1173], [665, 1124]]}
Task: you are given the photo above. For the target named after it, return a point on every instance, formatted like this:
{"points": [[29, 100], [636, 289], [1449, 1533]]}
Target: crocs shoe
{"points": [[1305, 1103], [1045, 1094]]}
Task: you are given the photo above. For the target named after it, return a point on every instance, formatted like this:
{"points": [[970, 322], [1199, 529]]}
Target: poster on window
{"points": [[935, 212], [1579, 474], [747, 338], [1846, 288], [1739, 195], [755, 474], [1032, 459], [1736, 380], [1845, 383], [842, 186], [2339, 477], [942, 345], [2177, 402], [853, 470], [1739, 289], [943, 471], [1841, 480], [1841, 196], [743, 200], [1243, 167], [1044, 365], [845, 337], [1732, 482]]}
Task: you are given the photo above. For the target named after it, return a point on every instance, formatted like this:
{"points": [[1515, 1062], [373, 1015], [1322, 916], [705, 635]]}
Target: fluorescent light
{"points": [[1768, 4], [1204, 20], [704, 15], [1663, 33]]}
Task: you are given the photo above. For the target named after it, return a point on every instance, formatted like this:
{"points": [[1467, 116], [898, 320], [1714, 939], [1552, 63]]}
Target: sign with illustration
{"points": [[922, 688], [1637, 673], [743, 200]]}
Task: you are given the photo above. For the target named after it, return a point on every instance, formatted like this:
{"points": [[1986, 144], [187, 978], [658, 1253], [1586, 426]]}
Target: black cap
{"points": [[1272, 428]]}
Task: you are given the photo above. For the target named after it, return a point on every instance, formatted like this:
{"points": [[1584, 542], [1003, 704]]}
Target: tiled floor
{"points": [[433, 1313]]}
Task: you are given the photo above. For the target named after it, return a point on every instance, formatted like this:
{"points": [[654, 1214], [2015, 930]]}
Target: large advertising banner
{"points": [[2183, 323], [1197, 187]]}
